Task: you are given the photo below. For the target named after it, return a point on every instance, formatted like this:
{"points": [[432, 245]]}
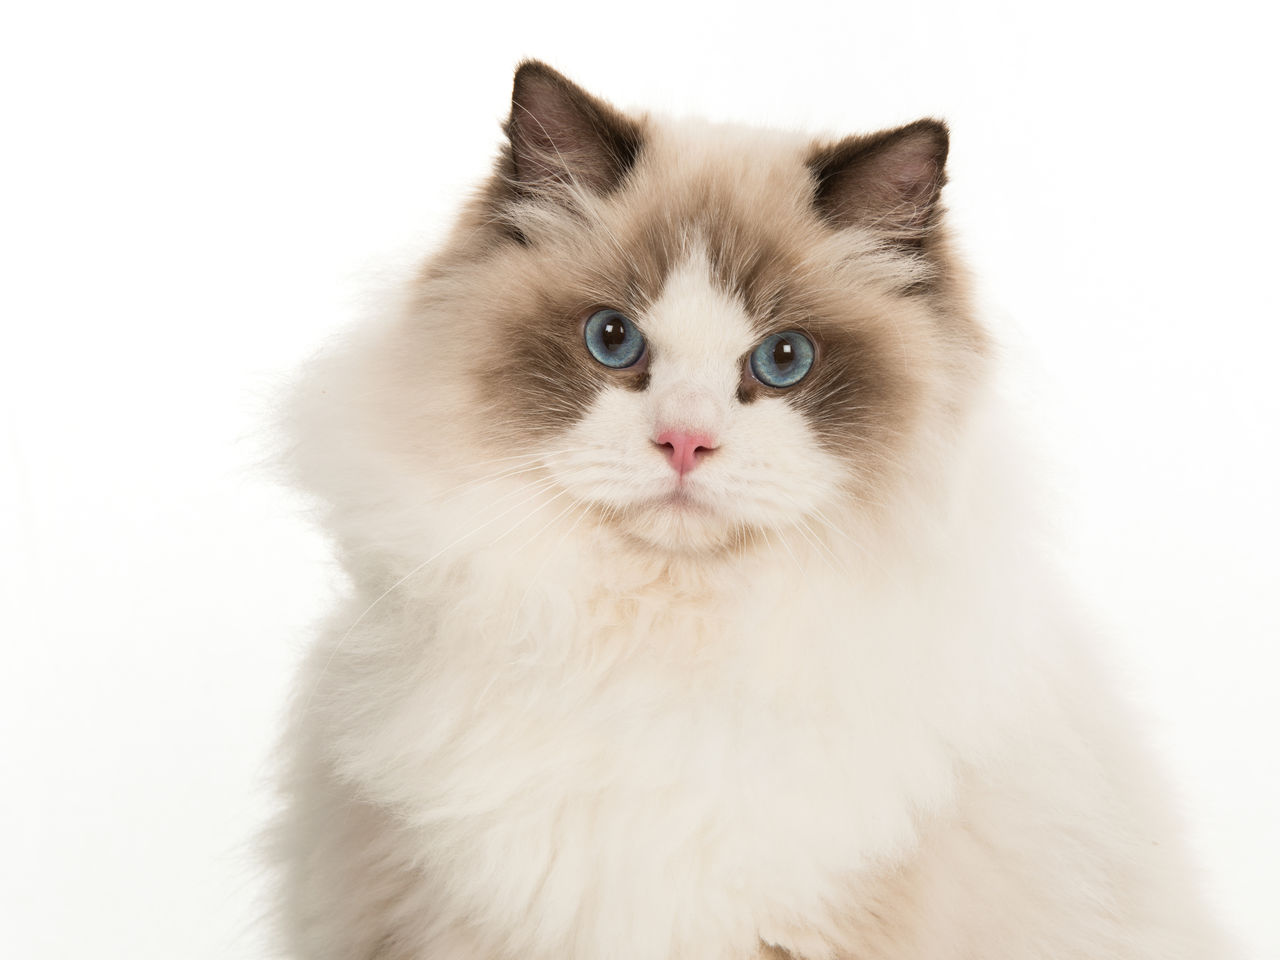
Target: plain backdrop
{"points": [[194, 196]]}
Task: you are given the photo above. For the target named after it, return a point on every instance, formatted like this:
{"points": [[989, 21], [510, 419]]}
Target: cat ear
{"points": [[889, 181], [560, 134]]}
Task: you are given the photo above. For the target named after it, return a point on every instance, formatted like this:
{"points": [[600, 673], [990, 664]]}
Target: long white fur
{"points": [[525, 735]]}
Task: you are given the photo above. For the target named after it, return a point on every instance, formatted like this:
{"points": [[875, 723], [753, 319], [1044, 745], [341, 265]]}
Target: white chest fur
{"points": [[650, 771]]}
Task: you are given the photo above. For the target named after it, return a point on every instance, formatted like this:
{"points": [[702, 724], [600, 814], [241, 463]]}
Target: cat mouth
{"points": [[679, 520], [682, 500]]}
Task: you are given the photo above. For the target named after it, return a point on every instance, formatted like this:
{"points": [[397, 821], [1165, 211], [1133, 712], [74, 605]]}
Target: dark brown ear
{"points": [[560, 134], [888, 181]]}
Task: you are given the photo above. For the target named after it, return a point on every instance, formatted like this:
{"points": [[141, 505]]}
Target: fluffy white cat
{"points": [[695, 614]]}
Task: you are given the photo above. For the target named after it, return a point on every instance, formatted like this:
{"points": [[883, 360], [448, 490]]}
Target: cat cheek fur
{"points": [[841, 712]]}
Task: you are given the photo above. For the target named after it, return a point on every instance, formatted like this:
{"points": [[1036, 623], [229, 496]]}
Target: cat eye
{"points": [[613, 339], [783, 359]]}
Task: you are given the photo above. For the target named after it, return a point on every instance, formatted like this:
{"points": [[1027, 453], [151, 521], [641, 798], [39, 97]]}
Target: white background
{"points": [[194, 198]]}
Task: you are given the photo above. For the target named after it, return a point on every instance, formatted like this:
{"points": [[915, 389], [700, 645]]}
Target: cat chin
{"points": [[679, 524]]}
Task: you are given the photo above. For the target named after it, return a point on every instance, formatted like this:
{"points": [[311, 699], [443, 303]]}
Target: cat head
{"points": [[697, 335]]}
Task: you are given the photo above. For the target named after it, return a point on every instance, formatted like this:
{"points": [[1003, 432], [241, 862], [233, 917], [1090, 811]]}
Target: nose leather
{"points": [[684, 449]]}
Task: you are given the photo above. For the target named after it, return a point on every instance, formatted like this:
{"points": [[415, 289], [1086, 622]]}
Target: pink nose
{"points": [[684, 449]]}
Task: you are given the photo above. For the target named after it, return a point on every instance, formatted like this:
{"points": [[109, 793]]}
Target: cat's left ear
{"points": [[562, 135], [888, 181]]}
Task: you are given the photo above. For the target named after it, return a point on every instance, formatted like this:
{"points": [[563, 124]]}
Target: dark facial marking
{"points": [[545, 377], [856, 395]]}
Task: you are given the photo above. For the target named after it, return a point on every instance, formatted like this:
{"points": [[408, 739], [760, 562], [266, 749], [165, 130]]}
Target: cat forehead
{"points": [[725, 182], [733, 204], [747, 156], [696, 317]]}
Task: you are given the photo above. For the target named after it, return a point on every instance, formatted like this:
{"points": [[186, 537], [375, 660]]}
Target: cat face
{"points": [[693, 448], [702, 335]]}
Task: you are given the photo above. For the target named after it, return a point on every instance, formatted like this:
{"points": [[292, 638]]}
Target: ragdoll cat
{"points": [[695, 613]]}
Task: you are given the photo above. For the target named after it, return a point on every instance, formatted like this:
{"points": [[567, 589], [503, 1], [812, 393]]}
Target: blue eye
{"points": [[783, 359], [613, 339]]}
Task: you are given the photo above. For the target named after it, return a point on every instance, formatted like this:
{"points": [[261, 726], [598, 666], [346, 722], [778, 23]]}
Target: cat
{"points": [[697, 609]]}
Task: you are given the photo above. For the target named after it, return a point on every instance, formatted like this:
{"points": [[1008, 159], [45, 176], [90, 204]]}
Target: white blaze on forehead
{"points": [[697, 335]]}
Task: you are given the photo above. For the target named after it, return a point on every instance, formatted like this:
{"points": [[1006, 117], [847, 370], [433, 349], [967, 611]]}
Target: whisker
{"points": [[786, 546], [528, 462], [824, 549]]}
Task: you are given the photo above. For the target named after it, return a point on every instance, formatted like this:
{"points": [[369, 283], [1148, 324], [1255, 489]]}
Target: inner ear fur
{"points": [[561, 135], [888, 181]]}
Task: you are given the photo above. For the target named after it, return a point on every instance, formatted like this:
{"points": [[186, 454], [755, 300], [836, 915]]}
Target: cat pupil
{"points": [[613, 334], [783, 353]]}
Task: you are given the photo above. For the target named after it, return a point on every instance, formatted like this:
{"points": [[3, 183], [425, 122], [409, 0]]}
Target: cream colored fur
{"points": [[557, 720]]}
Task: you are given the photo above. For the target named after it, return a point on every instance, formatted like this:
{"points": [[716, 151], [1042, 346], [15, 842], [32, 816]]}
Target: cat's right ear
{"points": [[563, 136]]}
